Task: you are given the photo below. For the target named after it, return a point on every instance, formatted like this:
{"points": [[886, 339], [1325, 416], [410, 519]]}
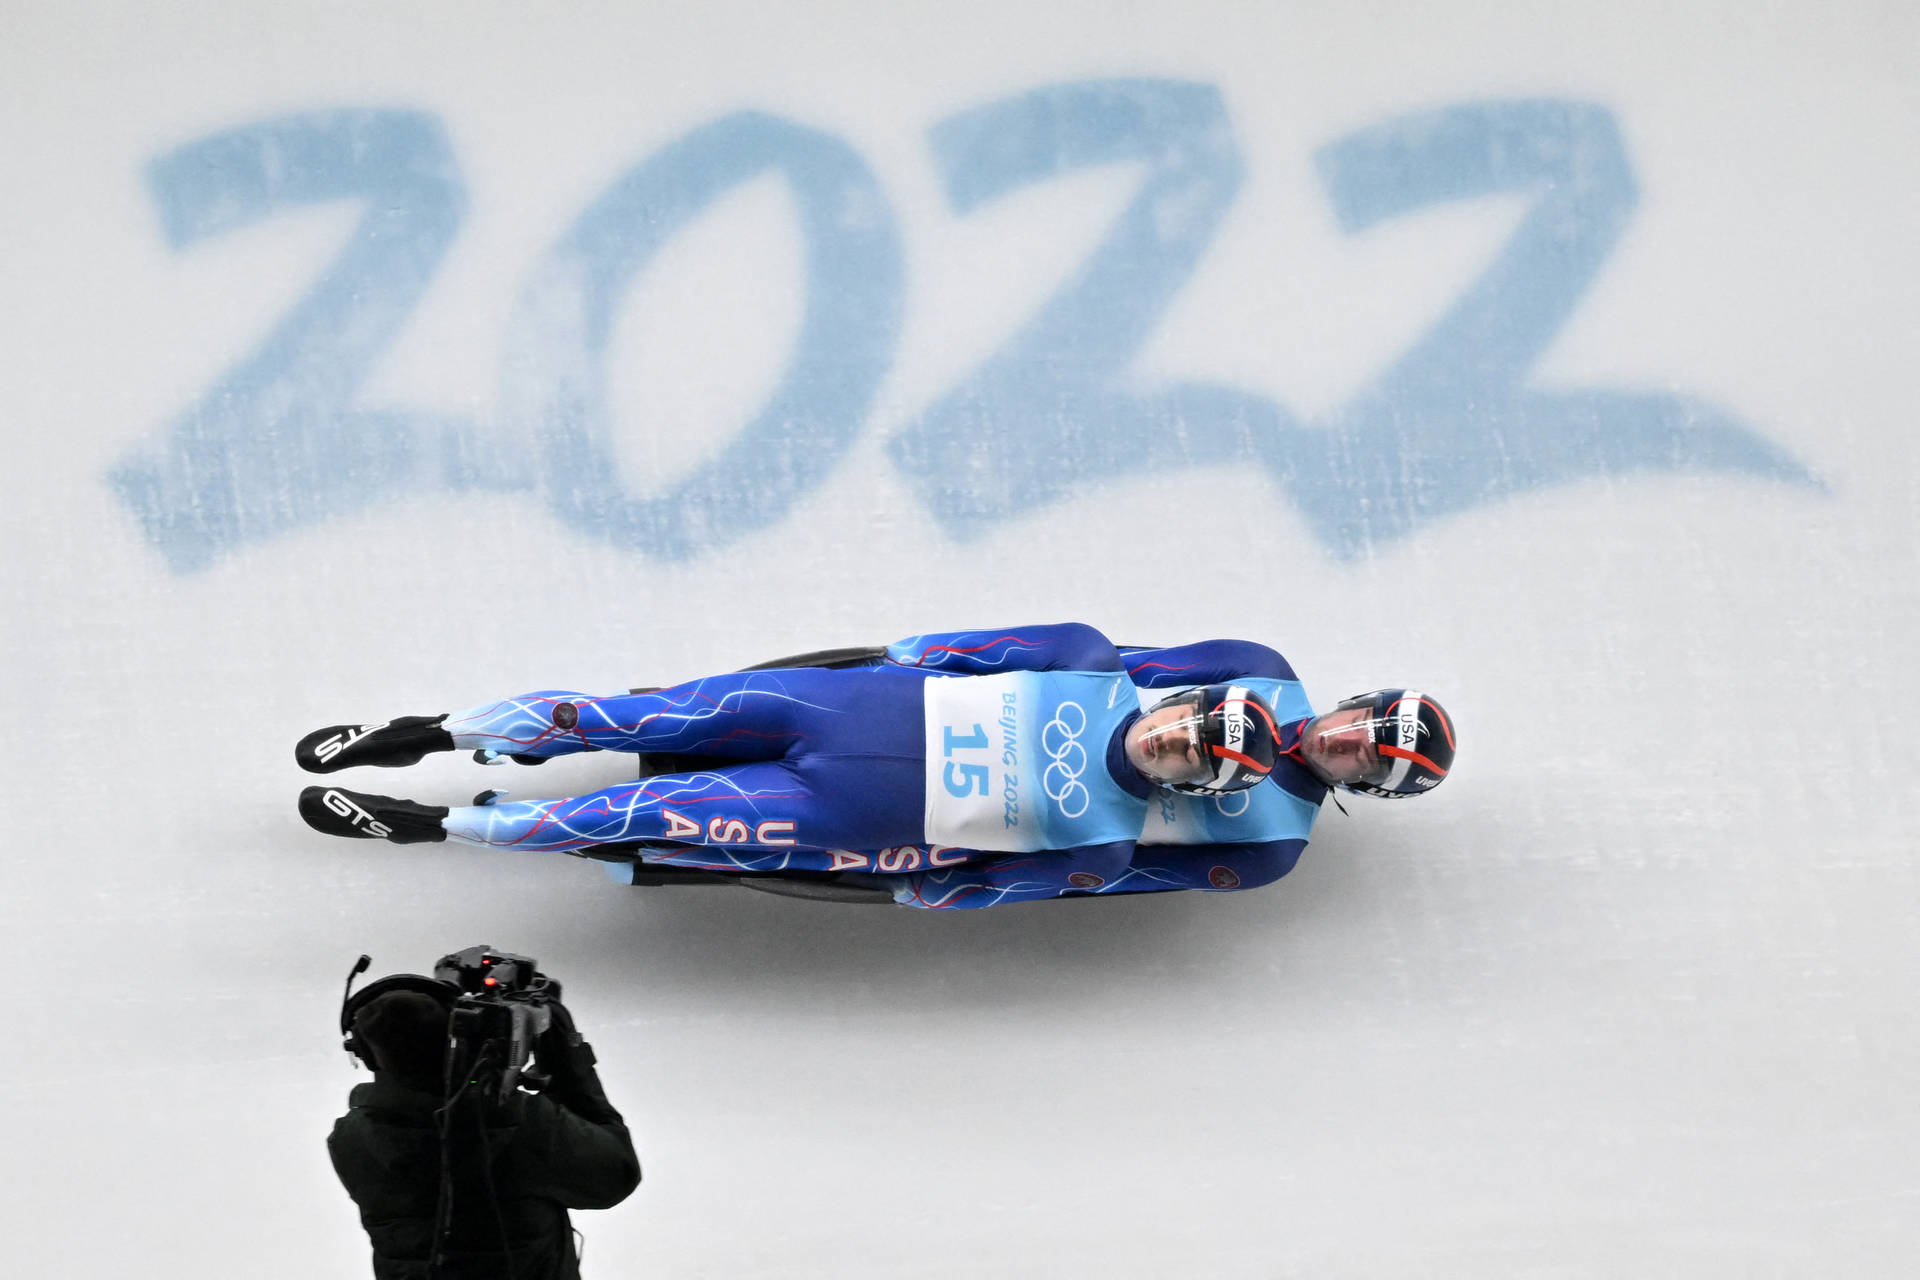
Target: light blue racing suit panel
{"points": [[1238, 841]]}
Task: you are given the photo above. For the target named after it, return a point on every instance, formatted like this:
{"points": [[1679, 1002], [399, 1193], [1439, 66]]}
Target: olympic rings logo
{"points": [[1244, 797], [1066, 759]]}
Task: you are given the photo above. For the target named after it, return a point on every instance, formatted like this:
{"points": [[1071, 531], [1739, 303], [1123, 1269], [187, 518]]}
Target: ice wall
{"points": [[1556, 359]]}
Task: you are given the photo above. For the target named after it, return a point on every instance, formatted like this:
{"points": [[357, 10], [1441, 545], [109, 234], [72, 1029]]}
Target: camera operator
{"points": [[457, 1175]]}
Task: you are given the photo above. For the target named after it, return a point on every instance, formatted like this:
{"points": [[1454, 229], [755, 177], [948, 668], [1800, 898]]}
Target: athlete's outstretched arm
{"points": [[1207, 662], [1159, 868], [744, 714], [1060, 646]]}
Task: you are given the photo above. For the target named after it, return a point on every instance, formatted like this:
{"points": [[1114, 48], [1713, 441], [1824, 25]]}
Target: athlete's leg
{"points": [[1022, 877], [759, 815], [757, 715], [852, 776]]}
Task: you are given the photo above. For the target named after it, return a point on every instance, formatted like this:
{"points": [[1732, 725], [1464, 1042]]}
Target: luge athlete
{"points": [[966, 769]]}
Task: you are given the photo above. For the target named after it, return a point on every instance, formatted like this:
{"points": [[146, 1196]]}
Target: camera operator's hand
{"points": [[568, 1060], [562, 1051], [561, 1034]]}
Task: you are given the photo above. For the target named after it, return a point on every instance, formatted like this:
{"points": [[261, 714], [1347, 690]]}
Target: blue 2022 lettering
{"points": [[281, 441]]}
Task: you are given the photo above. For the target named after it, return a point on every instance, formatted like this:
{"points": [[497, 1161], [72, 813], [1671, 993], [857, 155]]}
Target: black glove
{"points": [[561, 1049], [568, 1061], [560, 1033]]}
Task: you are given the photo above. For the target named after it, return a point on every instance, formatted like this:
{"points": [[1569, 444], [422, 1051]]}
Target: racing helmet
{"points": [[1412, 739], [1227, 740]]}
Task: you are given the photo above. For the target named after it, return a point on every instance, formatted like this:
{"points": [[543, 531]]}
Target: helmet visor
{"points": [[1369, 742], [1344, 745], [1170, 744]]}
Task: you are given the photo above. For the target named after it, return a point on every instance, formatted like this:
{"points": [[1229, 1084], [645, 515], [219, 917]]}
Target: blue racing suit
{"points": [[1238, 841], [991, 756]]}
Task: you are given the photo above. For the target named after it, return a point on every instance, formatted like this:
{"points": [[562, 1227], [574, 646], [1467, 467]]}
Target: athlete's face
{"points": [[1165, 746], [1339, 746]]}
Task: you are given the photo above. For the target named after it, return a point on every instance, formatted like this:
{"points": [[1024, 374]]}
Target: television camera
{"points": [[498, 1004]]}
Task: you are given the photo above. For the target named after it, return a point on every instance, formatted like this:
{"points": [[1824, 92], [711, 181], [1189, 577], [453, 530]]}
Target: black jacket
{"points": [[566, 1148]]}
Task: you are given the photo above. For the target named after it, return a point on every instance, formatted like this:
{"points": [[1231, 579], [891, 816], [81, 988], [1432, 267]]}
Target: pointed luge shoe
{"points": [[360, 815], [390, 744]]}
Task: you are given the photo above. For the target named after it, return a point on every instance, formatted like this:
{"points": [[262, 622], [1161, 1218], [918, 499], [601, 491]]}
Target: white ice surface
{"points": [[1633, 994]]}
